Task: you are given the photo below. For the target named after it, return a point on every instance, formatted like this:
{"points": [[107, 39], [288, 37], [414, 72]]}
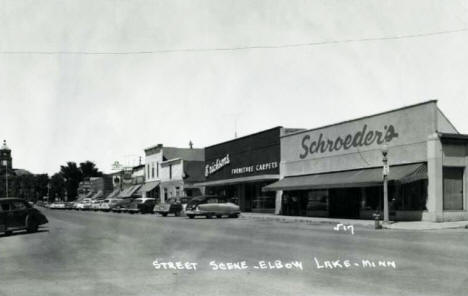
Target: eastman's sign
{"points": [[363, 137]]}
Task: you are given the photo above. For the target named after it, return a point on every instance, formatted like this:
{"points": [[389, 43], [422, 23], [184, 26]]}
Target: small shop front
{"points": [[240, 168], [337, 170]]}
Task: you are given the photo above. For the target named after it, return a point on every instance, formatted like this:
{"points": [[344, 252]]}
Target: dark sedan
{"points": [[18, 214]]}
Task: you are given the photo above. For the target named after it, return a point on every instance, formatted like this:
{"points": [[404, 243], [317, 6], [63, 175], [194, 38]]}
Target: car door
{"points": [[18, 211]]}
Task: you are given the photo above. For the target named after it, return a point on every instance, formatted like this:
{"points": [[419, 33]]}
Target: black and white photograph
{"points": [[233, 147]]}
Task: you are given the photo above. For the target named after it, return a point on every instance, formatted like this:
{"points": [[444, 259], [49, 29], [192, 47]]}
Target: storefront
{"points": [[337, 170], [240, 168]]}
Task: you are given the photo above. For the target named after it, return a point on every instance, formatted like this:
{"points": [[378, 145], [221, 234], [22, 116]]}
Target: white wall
{"points": [[153, 160]]}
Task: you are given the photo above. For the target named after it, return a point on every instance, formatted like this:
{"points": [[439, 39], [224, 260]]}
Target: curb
{"points": [[304, 221]]}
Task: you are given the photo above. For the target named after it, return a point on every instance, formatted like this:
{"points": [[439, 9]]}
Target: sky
{"points": [[101, 80]]}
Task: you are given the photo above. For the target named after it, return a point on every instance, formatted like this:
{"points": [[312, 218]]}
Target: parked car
{"points": [[95, 205], [57, 206], [141, 205], [69, 205], [85, 204], [121, 205], [170, 206], [18, 214], [210, 206], [109, 203]]}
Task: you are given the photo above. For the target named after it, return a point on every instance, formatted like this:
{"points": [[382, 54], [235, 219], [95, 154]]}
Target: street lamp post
{"points": [[5, 162], [386, 170]]}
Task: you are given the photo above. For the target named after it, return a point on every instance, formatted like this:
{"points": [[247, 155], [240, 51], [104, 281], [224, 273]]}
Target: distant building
{"points": [[15, 188], [171, 171]]}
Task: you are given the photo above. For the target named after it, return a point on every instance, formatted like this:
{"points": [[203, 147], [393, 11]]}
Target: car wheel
{"points": [[8, 232], [31, 225], [177, 213], [191, 216], [209, 216], [164, 214], [234, 216], [219, 216]]}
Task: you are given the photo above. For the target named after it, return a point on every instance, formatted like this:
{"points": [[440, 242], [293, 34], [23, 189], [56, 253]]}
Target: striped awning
{"points": [[148, 186], [129, 192]]}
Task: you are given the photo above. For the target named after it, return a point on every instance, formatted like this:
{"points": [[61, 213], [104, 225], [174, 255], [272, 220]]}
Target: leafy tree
{"points": [[89, 169], [57, 186], [72, 175]]}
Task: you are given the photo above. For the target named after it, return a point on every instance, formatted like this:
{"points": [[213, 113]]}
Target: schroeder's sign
{"points": [[363, 137]]}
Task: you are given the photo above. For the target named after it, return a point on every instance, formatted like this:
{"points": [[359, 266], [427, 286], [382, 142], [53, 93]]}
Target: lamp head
{"points": [[384, 150]]}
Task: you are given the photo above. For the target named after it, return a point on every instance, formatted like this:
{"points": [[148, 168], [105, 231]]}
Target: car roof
{"points": [[203, 197]]}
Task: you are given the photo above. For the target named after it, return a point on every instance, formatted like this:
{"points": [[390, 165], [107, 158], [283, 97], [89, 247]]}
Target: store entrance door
{"points": [[345, 203]]}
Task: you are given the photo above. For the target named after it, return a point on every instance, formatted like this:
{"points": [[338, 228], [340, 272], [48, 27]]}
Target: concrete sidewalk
{"points": [[414, 225], [423, 225], [308, 220]]}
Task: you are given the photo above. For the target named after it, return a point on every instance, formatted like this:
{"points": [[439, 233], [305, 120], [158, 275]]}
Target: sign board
{"points": [[256, 154], [358, 143]]}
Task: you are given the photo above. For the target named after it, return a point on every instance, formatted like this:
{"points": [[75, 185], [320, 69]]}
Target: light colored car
{"points": [[210, 206], [109, 203], [96, 205], [57, 205], [85, 204]]}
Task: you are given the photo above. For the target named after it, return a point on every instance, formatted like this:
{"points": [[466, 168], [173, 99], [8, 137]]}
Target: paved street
{"points": [[95, 253]]}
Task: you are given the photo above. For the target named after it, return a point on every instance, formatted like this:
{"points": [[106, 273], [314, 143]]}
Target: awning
{"points": [[148, 186], [351, 179], [113, 193], [98, 194], [237, 180], [129, 192]]}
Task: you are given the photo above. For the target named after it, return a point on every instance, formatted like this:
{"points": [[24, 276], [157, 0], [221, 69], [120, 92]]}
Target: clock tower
{"points": [[5, 155]]}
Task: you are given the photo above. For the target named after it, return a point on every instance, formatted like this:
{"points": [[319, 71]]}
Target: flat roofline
{"points": [[170, 147], [449, 136], [243, 137], [360, 118]]}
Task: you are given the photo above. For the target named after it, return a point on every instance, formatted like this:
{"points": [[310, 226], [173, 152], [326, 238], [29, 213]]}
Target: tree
{"points": [[89, 169], [57, 186], [72, 176]]}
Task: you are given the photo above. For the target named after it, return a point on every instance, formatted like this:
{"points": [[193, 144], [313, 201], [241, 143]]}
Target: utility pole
{"points": [[386, 170], [5, 162]]}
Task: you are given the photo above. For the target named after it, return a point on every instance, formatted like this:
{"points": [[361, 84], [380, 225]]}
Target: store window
{"points": [[317, 202], [152, 170], [413, 197], [453, 188]]}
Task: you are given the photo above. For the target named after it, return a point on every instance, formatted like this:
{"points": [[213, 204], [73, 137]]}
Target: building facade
{"points": [[238, 169], [171, 172], [336, 170]]}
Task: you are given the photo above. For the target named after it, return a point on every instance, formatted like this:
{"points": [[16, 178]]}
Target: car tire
{"points": [[31, 225], [177, 213], [191, 216], [209, 216], [219, 216], [8, 232], [164, 214], [234, 216]]}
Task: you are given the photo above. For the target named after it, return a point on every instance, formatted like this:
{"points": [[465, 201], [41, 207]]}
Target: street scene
{"points": [[219, 147], [97, 253]]}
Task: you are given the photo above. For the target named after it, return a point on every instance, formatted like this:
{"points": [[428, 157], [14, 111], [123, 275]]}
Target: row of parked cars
{"points": [[208, 206]]}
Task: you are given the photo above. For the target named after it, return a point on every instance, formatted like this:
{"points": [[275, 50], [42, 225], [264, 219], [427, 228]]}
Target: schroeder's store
{"points": [[240, 168], [337, 170]]}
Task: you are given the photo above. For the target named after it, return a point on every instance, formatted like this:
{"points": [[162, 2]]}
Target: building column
{"points": [[435, 192], [278, 201]]}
